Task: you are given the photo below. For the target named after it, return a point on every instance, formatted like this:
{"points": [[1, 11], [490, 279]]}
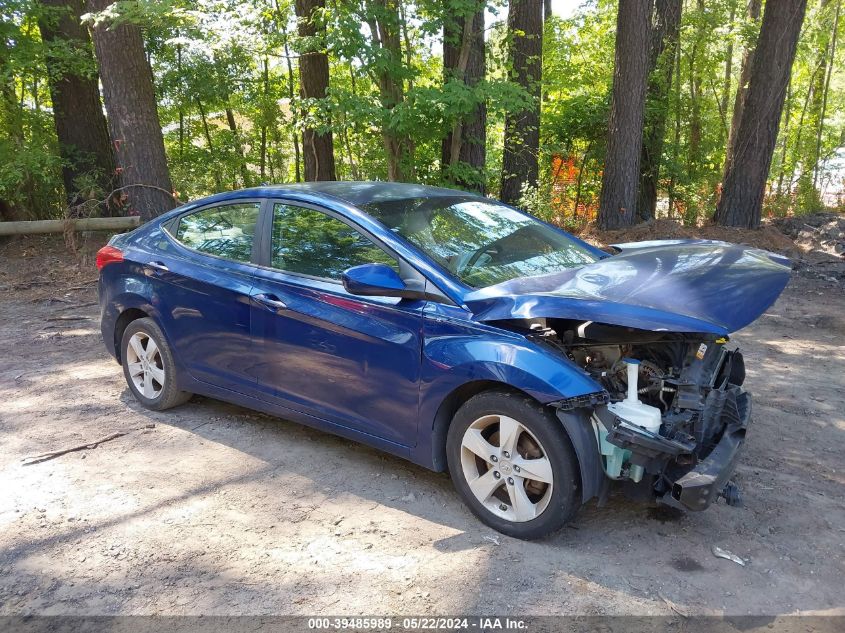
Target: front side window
{"points": [[312, 243], [480, 241], [226, 231]]}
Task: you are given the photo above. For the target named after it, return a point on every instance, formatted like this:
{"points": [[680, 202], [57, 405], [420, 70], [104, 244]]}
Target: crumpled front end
{"points": [[689, 459], [677, 418], [675, 412]]}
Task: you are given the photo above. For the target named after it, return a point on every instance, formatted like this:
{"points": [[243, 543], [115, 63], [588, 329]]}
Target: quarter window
{"points": [[225, 231], [312, 243]]}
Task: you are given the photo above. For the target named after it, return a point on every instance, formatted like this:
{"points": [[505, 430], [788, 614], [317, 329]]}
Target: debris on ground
{"points": [[767, 237], [43, 457], [815, 243], [718, 552], [819, 232]]}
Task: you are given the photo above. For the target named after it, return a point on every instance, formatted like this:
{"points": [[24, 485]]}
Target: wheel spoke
{"points": [[523, 509], [135, 369], [509, 431], [135, 344], [152, 349], [149, 392], [475, 443], [484, 485], [157, 374], [539, 469]]}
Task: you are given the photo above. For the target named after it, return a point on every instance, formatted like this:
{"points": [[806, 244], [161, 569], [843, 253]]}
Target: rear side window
{"points": [[226, 231], [312, 243]]}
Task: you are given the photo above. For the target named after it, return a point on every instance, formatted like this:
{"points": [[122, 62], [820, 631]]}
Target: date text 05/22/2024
{"points": [[418, 623]]}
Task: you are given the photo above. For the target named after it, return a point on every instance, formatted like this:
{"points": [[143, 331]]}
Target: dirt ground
{"points": [[213, 509]]}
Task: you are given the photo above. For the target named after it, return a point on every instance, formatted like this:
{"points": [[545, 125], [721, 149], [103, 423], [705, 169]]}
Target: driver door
{"points": [[352, 361]]}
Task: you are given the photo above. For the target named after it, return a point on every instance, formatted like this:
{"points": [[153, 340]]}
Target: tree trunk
{"points": [[464, 60], [246, 181], [695, 93], [385, 27], [78, 113], [547, 9], [664, 42], [618, 205], [8, 213], [218, 181], [133, 117], [317, 147], [522, 129], [181, 102], [745, 180], [742, 88], [676, 133], [787, 112], [294, 118], [265, 79], [830, 58], [799, 142], [726, 81]]}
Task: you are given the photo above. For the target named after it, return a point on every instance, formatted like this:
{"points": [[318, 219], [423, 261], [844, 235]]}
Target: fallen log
{"points": [[60, 226]]}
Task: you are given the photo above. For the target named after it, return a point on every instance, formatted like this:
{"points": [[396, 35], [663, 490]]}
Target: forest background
{"points": [[618, 111]]}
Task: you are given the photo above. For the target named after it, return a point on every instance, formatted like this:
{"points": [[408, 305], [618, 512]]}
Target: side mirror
{"points": [[375, 280]]}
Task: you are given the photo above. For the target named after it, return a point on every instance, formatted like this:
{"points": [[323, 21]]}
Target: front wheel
{"points": [[513, 464], [148, 366]]}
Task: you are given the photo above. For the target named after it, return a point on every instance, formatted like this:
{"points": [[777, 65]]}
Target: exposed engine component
{"points": [[669, 395], [635, 416], [672, 410]]}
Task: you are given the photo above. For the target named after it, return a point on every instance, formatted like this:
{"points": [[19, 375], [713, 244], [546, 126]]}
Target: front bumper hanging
{"points": [[701, 486]]}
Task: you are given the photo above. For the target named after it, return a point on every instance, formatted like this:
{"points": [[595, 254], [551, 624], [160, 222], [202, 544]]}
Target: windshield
{"points": [[479, 241]]}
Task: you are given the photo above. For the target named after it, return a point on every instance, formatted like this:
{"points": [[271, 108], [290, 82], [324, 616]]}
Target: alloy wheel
{"points": [[145, 364], [506, 468]]}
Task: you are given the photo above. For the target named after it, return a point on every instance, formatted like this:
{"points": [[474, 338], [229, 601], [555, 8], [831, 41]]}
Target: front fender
{"points": [[545, 375], [460, 357]]}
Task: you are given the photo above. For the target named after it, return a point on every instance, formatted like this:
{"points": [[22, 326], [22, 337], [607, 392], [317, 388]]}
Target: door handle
{"points": [[270, 301], [158, 266]]}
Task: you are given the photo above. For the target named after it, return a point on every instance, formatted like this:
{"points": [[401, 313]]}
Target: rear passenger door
{"points": [[352, 361], [204, 279]]}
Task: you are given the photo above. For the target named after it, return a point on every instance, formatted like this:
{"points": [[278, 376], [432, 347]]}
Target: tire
{"points": [[536, 490], [152, 379]]}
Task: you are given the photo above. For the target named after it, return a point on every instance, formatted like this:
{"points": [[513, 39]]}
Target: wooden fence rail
{"points": [[59, 226]]}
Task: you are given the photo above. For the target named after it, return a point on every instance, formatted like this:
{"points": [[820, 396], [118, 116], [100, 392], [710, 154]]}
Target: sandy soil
{"points": [[213, 509]]}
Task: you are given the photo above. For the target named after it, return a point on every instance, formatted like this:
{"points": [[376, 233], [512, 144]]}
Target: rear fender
{"points": [[125, 287]]}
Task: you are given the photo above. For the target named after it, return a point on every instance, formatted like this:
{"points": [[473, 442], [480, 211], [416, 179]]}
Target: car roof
{"points": [[356, 193]]}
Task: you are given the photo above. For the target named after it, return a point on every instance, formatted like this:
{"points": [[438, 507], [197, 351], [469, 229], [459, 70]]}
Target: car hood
{"points": [[673, 285]]}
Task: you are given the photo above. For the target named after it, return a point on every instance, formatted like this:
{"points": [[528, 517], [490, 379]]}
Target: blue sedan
{"points": [[453, 331]]}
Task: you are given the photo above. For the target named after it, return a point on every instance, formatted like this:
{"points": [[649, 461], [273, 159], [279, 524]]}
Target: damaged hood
{"points": [[673, 285]]}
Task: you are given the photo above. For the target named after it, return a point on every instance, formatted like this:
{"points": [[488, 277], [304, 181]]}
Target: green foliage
{"points": [[215, 58], [30, 167]]}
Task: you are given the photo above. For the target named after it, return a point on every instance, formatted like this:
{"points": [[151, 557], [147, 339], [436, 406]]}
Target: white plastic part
{"points": [[633, 377], [633, 412]]}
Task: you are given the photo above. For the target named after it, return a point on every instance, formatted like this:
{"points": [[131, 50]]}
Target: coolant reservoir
{"points": [[633, 412]]}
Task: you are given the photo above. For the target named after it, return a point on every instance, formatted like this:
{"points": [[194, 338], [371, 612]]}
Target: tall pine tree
{"points": [[133, 117], [77, 110], [618, 205], [522, 128], [745, 178]]}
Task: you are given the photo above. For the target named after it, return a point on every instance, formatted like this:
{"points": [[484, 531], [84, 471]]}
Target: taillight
{"points": [[108, 255]]}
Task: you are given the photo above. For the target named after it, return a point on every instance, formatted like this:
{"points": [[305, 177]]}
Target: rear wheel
{"points": [[513, 464], [148, 366]]}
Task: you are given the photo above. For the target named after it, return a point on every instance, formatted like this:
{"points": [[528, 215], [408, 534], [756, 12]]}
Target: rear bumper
{"points": [[701, 486]]}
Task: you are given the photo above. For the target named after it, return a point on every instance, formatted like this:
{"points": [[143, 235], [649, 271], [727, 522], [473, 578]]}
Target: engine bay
{"points": [[688, 383]]}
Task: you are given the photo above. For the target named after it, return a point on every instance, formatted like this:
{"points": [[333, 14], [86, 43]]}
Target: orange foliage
{"points": [[564, 180]]}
